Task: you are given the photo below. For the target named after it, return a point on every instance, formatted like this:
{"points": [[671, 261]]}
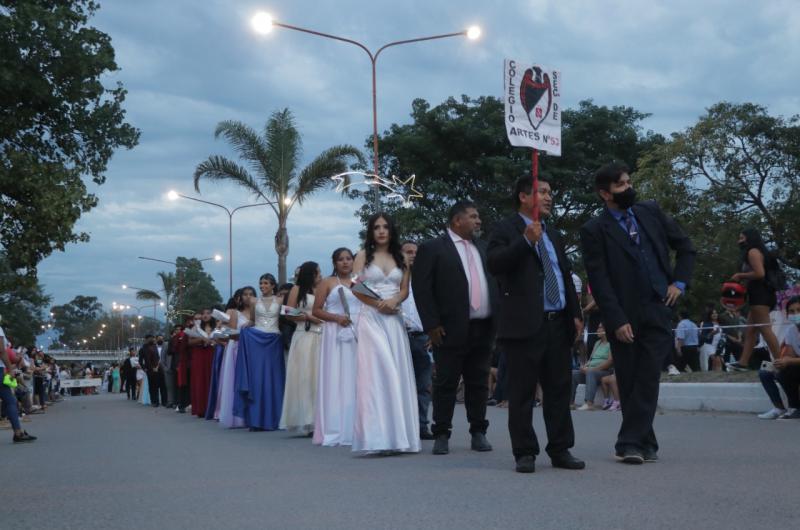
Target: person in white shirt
{"points": [[785, 370], [419, 342]]}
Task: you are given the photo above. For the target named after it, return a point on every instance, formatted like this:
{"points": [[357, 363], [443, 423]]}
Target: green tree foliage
{"points": [[459, 150], [77, 319], [58, 123], [198, 290], [21, 303], [270, 169], [736, 167]]}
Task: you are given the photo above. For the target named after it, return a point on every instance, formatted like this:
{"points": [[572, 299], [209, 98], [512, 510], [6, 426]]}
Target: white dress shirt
{"points": [[410, 314], [484, 310]]}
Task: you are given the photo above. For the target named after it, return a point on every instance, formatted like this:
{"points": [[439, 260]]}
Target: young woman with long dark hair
{"points": [[387, 416], [202, 348], [335, 304], [230, 408], [300, 395], [756, 263]]}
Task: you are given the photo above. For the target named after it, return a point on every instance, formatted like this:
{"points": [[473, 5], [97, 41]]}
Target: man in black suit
{"points": [[537, 322], [626, 254], [129, 367], [454, 297]]}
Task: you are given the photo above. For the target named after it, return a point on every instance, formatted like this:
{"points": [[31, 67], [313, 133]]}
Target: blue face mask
{"points": [[794, 319]]}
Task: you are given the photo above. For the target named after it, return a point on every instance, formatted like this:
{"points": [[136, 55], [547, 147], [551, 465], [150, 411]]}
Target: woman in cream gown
{"points": [[300, 395]]}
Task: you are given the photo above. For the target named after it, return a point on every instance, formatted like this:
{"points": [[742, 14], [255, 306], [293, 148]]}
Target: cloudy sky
{"points": [[189, 64]]}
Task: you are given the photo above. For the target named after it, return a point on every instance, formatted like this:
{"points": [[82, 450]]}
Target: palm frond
{"points": [[284, 149], [146, 294], [245, 141], [220, 168], [318, 173]]}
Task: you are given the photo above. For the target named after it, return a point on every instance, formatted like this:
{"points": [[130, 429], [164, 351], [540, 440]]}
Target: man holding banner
{"points": [[537, 322]]}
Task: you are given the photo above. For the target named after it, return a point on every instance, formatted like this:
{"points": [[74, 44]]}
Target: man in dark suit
{"points": [[153, 370], [129, 367], [454, 297], [537, 322], [626, 254]]}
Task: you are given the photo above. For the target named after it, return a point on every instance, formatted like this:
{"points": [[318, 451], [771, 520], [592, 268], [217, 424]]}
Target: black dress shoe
{"points": [[480, 443], [425, 434], [442, 445], [526, 464], [565, 460], [630, 456]]}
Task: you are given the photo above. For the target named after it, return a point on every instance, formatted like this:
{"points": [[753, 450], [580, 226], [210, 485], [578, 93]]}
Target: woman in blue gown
{"points": [[260, 365]]}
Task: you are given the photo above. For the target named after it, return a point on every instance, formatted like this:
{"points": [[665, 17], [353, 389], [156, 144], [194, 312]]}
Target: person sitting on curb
{"points": [[598, 366], [785, 370]]}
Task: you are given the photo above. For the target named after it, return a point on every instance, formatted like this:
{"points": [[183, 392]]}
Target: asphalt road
{"points": [[103, 462]]}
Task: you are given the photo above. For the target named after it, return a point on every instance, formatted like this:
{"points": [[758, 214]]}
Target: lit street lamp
{"points": [[174, 195], [263, 23]]}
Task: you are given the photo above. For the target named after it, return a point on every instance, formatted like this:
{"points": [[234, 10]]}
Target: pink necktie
{"points": [[474, 279]]}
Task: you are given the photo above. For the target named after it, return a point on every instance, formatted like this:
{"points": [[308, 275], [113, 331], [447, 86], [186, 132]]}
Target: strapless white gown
{"points": [[386, 417]]}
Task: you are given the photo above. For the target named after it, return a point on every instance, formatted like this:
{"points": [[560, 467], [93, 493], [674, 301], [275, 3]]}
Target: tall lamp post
{"points": [[174, 195], [263, 23], [216, 257]]}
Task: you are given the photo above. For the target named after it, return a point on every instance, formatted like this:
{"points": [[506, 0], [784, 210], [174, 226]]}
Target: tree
{"points": [[58, 123], [270, 170], [77, 319], [169, 285], [22, 300], [736, 166], [198, 286], [459, 150]]}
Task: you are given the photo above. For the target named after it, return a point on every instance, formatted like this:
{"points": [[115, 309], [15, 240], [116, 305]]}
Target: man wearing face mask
{"points": [[626, 252]]}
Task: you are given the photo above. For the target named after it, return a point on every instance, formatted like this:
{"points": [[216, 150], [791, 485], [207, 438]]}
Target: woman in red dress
{"points": [[202, 355]]}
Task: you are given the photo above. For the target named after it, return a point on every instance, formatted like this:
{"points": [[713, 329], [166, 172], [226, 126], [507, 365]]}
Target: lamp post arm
{"points": [[419, 39], [327, 36], [205, 202], [159, 260]]}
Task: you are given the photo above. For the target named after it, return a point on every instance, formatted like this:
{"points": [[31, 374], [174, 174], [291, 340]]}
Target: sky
{"points": [[188, 64]]}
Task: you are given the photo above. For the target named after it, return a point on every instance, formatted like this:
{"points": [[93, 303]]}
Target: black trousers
{"points": [[184, 392], [789, 378], [158, 387], [638, 370], [472, 363], [690, 356], [131, 387], [543, 359]]}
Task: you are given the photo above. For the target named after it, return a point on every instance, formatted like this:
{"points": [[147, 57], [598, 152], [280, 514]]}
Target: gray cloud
{"points": [[189, 65]]}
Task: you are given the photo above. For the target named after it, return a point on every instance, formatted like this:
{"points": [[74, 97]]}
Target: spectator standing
{"points": [[687, 343], [710, 335]]}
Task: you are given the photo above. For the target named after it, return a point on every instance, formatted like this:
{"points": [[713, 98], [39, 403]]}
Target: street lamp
{"points": [[263, 23], [174, 196], [215, 257]]}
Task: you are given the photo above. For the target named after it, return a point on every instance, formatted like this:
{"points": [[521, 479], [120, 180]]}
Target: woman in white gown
{"points": [[387, 417], [335, 304], [300, 396]]}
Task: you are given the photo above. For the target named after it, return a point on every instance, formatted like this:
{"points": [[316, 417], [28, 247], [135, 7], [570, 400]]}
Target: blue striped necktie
{"points": [[551, 291]]}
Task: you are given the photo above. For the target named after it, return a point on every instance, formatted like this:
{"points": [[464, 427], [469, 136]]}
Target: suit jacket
{"points": [[518, 269], [441, 288], [612, 262], [128, 371], [151, 358]]}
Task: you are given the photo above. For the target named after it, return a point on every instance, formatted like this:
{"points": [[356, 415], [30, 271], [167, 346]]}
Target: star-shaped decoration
{"points": [[395, 186]]}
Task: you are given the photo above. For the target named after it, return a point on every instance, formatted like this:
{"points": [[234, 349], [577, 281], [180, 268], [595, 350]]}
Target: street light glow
{"points": [[287, 201], [473, 32], [124, 286], [172, 195], [217, 257], [262, 22]]}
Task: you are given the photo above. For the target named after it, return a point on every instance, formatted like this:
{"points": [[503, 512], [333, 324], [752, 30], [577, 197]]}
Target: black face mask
{"points": [[625, 199], [742, 244], [160, 342]]}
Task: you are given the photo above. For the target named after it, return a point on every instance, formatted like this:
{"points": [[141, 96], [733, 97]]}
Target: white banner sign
{"points": [[533, 106], [80, 383]]}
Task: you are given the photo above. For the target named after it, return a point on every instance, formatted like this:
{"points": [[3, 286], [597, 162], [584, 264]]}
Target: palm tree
{"points": [[169, 286], [270, 170]]}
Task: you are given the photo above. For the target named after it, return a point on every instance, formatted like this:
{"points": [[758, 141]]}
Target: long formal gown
{"points": [[336, 390], [386, 417], [227, 390], [260, 369], [144, 397], [300, 395], [200, 381], [212, 412], [115, 378]]}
